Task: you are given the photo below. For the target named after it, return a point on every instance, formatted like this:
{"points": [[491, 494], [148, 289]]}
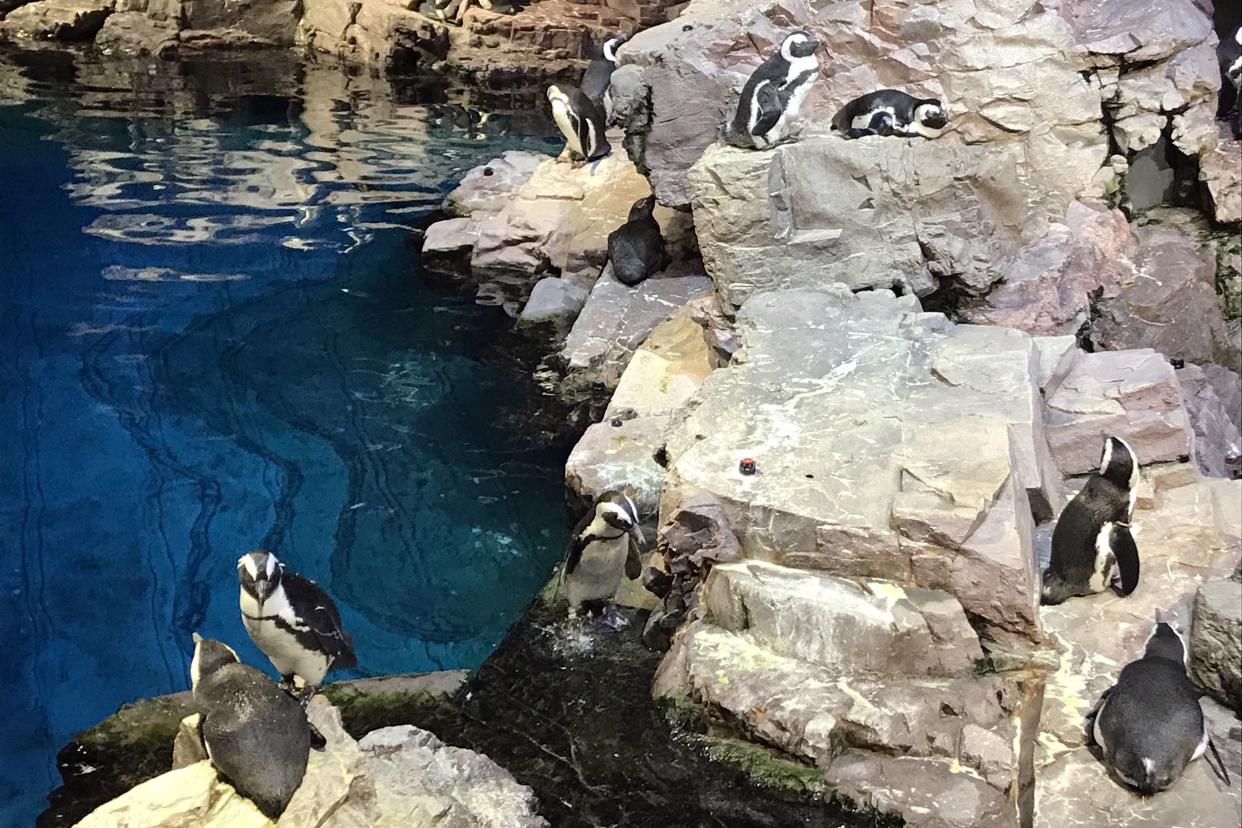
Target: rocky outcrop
{"points": [[1217, 441], [1221, 174], [395, 776], [1216, 640], [72, 20]]}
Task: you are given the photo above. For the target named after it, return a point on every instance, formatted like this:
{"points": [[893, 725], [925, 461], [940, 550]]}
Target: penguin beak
{"points": [[636, 532]]}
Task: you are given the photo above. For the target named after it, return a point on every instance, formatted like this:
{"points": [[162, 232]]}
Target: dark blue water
{"points": [[213, 338]]}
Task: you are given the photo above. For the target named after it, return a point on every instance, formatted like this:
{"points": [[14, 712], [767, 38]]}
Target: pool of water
{"points": [[213, 338]]}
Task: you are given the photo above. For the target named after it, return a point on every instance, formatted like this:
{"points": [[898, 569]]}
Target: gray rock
{"points": [[1131, 394], [267, 21], [135, 33], [57, 20], [190, 797], [669, 367], [1221, 174], [188, 747], [1216, 641], [491, 186], [553, 302], [1217, 442], [617, 453]]}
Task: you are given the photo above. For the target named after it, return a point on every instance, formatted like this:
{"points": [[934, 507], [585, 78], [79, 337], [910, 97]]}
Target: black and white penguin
{"points": [[773, 95], [1229, 56], [636, 248], [581, 121], [1092, 536], [1149, 725], [891, 112], [256, 735], [292, 621], [597, 79], [604, 546]]}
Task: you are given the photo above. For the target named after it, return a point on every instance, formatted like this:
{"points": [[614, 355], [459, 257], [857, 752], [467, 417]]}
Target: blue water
{"points": [[213, 338]]}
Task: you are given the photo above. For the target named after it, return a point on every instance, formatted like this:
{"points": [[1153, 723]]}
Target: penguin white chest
{"points": [[1102, 571], [599, 571], [565, 123], [280, 645], [798, 80]]}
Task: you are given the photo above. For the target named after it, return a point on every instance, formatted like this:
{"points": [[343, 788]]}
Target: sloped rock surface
{"points": [[1216, 640], [1221, 174], [192, 797], [73, 20], [1217, 441]]}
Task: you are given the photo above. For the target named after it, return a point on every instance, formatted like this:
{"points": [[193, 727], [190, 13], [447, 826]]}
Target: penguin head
{"points": [[1165, 642], [1146, 775], [1118, 464], [642, 208], [799, 44], [611, 45], [931, 115], [1054, 590], [259, 573], [617, 509], [556, 95], [209, 655]]}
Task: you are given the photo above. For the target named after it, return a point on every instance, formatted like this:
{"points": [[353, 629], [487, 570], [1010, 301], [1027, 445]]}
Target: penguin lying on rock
{"points": [[891, 112], [292, 621], [604, 546], [773, 95], [581, 121], [636, 248], [256, 735], [1149, 725], [1092, 536], [597, 79]]}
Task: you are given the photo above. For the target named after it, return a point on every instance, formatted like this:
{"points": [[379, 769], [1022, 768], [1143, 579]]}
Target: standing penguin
{"points": [[1149, 724], [1092, 536], [256, 735], [603, 546], [891, 112], [597, 79], [773, 96], [636, 248], [581, 121], [292, 621]]}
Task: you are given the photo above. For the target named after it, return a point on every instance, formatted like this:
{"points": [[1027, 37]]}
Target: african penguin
{"points": [[1229, 104], [256, 735], [581, 121], [891, 112], [292, 621], [604, 545], [597, 79], [1149, 725], [636, 248], [773, 95], [1092, 536]]}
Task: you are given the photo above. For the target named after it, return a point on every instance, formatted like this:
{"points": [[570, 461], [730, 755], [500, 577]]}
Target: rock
{"points": [[1097, 635], [1221, 174], [419, 780], [617, 453], [1217, 442], [1057, 357], [338, 788], [1228, 387], [135, 33], [668, 368], [854, 407], [1169, 304], [1131, 394], [614, 322], [272, 22], [904, 214], [1047, 285], [553, 302], [192, 797], [188, 747], [57, 19], [1216, 641], [490, 187]]}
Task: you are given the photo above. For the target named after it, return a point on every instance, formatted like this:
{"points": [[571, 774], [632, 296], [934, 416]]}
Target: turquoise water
{"points": [[214, 338]]}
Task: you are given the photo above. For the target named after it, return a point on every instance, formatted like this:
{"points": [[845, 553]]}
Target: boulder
{"points": [[490, 187], [1095, 636], [1130, 394], [1216, 641], [668, 368], [57, 20], [854, 407], [1221, 174], [616, 453], [269, 21], [554, 302], [188, 747], [1217, 442], [191, 797]]}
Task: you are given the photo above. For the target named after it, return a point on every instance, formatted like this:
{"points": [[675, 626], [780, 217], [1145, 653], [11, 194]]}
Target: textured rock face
{"points": [[1216, 641], [1217, 441], [1131, 394], [1221, 173], [192, 797], [854, 408], [1189, 532], [57, 19], [848, 675]]}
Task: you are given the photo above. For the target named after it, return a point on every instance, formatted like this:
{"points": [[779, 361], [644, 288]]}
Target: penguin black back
{"points": [[598, 75], [636, 248], [891, 112]]}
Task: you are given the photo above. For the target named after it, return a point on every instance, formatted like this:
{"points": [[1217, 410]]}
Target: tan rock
{"points": [[192, 797]]}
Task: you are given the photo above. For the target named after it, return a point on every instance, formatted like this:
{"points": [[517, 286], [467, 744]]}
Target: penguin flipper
{"points": [[633, 561], [1126, 553], [1089, 719], [768, 100], [1219, 768]]}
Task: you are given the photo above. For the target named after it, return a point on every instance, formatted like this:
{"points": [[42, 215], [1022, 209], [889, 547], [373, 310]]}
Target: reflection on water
{"points": [[214, 339]]}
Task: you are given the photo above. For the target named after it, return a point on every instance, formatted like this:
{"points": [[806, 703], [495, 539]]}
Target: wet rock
{"points": [[616, 453], [872, 213], [873, 484], [73, 20], [554, 302], [1169, 304], [1046, 286], [490, 187], [1216, 641], [1221, 174], [135, 33], [192, 797], [268, 21], [1131, 394], [1217, 441], [1097, 635]]}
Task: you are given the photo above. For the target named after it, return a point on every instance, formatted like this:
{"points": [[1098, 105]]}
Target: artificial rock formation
{"points": [[1216, 640]]}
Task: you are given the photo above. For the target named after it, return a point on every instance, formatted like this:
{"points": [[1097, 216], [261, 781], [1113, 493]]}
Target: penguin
{"points": [[1229, 56], [603, 546], [1093, 536], [891, 112], [292, 621], [1149, 725], [256, 735], [581, 121], [597, 79], [636, 248], [773, 95]]}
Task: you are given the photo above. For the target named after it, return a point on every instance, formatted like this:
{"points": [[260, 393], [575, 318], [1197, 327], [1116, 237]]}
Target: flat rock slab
{"points": [[1133, 395], [57, 19], [619, 453], [1098, 635]]}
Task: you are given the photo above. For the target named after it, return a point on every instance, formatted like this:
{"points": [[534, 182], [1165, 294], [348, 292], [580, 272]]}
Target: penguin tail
{"points": [[1219, 767]]}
